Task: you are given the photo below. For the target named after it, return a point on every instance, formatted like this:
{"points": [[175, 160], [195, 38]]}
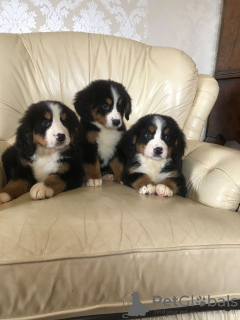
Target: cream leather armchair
{"points": [[84, 251]]}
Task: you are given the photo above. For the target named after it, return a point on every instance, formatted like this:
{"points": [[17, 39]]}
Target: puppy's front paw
{"points": [[148, 189], [109, 177], [163, 190], [5, 197], [94, 183], [39, 191]]}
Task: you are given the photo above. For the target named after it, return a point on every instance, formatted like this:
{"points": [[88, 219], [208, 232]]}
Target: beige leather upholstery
{"points": [[213, 174], [80, 252]]}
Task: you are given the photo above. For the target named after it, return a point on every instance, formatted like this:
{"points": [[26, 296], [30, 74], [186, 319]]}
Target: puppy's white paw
{"points": [[148, 189], [163, 190], [5, 197], [39, 191], [94, 182], [109, 177]]}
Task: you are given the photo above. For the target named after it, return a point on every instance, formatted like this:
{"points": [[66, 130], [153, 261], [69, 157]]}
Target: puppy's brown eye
{"points": [[45, 123], [105, 106], [148, 135]]}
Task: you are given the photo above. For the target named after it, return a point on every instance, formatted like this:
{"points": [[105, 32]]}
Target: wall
{"points": [[190, 25]]}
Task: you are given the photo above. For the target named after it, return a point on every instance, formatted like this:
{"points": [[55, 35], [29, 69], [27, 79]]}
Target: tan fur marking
{"points": [[141, 148], [98, 117], [117, 168], [92, 136], [55, 183], [171, 185], [142, 181], [24, 162], [92, 171], [63, 167], [166, 131], [15, 188], [109, 101], [120, 102], [63, 116], [151, 129], [37, 139], [73, 135], [134, 139], [48, 115], [133, 169], [169, 152]]}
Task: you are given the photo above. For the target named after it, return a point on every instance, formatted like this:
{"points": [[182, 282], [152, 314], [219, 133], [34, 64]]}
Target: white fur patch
{"points": [[148, 189], [109, 177], [156, 141], [45, 162], [56, 127], [152, 168], [163, 190], [94, 183], [107, 141], [114, 114], [39, 191], [4, 197]]}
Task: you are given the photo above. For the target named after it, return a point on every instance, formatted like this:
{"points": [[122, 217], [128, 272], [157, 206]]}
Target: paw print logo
{"points": [[201, 301]]}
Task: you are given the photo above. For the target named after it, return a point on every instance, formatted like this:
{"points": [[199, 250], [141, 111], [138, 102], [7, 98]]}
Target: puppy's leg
{"points": [[93, 174], [144, 184], [167, 188], [117, 168], [51, 186], [14, 189]]}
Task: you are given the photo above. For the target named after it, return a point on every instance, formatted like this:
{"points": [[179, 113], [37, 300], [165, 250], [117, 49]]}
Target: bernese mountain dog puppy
{"points": [[102, 106], [46, 158], [154, 147]]}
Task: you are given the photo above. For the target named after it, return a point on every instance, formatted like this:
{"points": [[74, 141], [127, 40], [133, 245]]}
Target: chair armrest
{"points": [[3, 146], [206, 95], [212, 174]]}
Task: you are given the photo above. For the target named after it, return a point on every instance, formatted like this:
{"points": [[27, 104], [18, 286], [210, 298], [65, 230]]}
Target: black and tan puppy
{"points": [[46, 158], [154, 147], [102, 106]]}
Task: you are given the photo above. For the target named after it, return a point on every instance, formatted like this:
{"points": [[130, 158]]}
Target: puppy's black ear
{"points": [[24, 140], [128, 109], [128, 141], [179, 147], [83, 103]]}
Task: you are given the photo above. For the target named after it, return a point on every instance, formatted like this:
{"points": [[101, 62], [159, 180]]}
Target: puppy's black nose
{"points": [[60, 137], [116, 122], [158, 151]]}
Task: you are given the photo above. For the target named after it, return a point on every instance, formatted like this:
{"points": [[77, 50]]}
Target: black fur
{"points": [[92, 100], [174, 139], [18, 159]]}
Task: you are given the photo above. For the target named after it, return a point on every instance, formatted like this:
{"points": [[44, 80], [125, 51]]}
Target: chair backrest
{"points": [[40, 66]]}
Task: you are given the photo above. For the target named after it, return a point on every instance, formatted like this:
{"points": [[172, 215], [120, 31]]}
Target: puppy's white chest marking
{"points": [[107, 141], [45, 162], [152, 168]]}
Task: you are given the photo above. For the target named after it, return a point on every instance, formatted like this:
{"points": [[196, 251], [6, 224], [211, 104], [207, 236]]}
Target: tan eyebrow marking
{"points": [[166, 131], [109, 101], [151, 129], [48, 115], [63, 116], [120, 102]]}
